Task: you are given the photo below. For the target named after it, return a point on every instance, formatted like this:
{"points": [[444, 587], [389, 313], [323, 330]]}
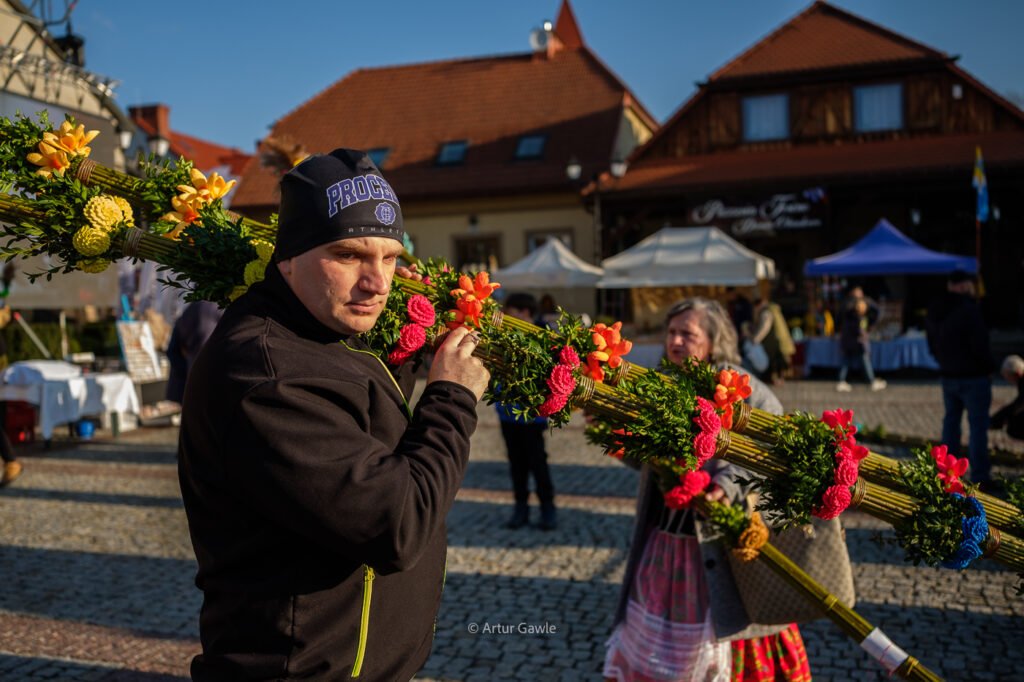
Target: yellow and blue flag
{"points": [[981, 186]]}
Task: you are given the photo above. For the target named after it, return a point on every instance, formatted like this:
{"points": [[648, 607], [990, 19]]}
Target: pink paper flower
{"points": [[846, 472], [398, 356], [707, 419], [835, 500], [694, 482], [704, 445], [951, 483], [841, 419], [411, 338], [568, 356], [554, 403], [561, 381], [421, 311]]}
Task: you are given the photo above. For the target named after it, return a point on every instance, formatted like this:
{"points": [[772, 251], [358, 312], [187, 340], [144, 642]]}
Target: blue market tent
{"points": [[887, 251]]}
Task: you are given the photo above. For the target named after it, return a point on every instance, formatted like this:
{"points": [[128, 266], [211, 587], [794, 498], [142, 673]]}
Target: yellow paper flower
{"points": [[103, 212], [93, 265], [254, 271], [73, 139], [126, 211], [54, 161], [214, 187], [90, 241], [264, 249], [237, 291]]}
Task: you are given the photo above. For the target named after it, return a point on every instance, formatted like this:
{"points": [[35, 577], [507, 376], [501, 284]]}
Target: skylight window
{"points": [[531, 146], [452, 153]]}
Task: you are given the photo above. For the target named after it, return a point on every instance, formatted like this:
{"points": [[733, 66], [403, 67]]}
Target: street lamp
{"points": [[573, 169], [159, 146]]}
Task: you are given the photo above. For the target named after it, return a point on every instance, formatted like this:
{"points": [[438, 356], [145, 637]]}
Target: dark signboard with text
{"points": [[764, 217]]}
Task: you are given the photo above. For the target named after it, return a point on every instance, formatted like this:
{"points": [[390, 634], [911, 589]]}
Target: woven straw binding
{"points": [[497, 319], [619, 374], [584, 392], [132, 242], [742, 418], [991, 542], [860, 488], [723, 441], [84, 171]]}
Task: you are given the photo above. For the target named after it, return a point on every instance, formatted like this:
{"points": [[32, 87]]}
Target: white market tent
{"points": [[686, 256], [551, 266]]}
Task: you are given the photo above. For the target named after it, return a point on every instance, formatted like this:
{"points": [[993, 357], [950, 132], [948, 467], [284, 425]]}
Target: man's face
{"points": [[344, 283]]}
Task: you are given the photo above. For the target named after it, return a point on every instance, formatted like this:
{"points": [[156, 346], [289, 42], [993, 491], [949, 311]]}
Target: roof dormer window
{"points": [[765, 117], [452, 153], [531, 147]]}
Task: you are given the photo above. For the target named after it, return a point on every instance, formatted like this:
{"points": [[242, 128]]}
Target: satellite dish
{"points": [[539, 39]]}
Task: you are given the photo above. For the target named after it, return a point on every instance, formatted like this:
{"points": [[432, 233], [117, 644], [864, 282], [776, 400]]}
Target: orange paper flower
{"points": [[72, 139], [52, 159], [480, 287], [732, 387], [471, 296]]}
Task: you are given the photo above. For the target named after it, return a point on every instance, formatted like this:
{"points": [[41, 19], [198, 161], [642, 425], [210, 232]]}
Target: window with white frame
{"points": [[878, 107], [765, 117]]}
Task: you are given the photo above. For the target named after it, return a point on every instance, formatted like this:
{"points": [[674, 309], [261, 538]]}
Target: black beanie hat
{"points": [[333, 196]]}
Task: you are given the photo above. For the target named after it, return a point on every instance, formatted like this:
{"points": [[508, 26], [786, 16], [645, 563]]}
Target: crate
{"points": [[20, 422]]}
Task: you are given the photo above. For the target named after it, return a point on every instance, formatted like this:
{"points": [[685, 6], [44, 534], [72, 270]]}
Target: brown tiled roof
{"points": [[569, 96], [204, 155], [822, 163], [824, 37]]}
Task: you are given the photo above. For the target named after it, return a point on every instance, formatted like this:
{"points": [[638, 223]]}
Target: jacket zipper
{"points": [[408, 410], [364, 620]]}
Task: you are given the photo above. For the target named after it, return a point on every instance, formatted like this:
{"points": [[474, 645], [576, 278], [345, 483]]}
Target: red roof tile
{"points": [[207, 155], [490, 101], [824, 37], [822, 163]]}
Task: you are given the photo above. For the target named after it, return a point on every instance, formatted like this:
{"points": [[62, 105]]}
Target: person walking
{"points": [[771, 331], [958, 339], [316, 496], [855, 343], [679, 616]]}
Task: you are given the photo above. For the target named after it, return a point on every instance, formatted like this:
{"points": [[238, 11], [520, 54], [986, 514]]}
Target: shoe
{"points": [[520, 517], [878, 384], [844, 387], [548, 518], [11, 471]]}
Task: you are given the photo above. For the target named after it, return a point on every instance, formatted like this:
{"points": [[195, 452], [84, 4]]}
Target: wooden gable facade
{"points": [[826, 177]]}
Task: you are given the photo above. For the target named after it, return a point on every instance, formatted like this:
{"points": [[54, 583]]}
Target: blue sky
{"points": [[229, 69]]}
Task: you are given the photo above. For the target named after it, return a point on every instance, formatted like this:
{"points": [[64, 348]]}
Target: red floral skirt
{"points": [[777, 657]]}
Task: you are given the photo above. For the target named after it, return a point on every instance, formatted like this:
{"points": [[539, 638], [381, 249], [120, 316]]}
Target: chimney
{"points": [[154, 119]]}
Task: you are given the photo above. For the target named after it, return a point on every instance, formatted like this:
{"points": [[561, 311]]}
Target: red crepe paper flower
{"points": [[421, 311], [411, 338], [704, 445], [707, 418], [846, 472], [692, 483], [836, 499], [554, 403], [398, 356], [569, 357], [621, 451], [561, 381], [840, 419]]}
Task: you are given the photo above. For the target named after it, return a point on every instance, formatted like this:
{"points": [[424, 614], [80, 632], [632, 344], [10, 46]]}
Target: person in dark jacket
{"points": [[1011, 416], [316, 497], [958, 339], [524, 444], [854, 342], [188, 336]]}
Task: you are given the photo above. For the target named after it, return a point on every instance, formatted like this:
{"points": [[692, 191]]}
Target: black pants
{"points": [[526, 455]]}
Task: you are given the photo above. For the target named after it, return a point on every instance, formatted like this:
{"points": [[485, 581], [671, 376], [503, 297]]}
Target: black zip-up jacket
{"points": [[316, 503], [958, 337]]}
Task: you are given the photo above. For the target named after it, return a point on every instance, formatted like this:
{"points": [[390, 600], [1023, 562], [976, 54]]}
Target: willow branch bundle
{"points": [[760, 426], [92, 174], [849, 621]]}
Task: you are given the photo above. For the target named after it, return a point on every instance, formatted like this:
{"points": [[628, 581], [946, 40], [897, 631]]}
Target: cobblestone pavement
{"points": [[97, 567]]}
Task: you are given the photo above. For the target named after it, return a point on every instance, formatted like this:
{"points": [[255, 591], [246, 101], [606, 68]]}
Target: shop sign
{"points": [[779, 212]]}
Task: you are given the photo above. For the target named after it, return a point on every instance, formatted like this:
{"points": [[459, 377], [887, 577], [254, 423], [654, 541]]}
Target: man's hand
{"points": [[454, 362], [716, 494], [409, 273]]}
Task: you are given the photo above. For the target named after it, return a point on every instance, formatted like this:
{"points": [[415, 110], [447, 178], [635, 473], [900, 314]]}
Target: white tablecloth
{"points": [[885, 355], [63, 401]]}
